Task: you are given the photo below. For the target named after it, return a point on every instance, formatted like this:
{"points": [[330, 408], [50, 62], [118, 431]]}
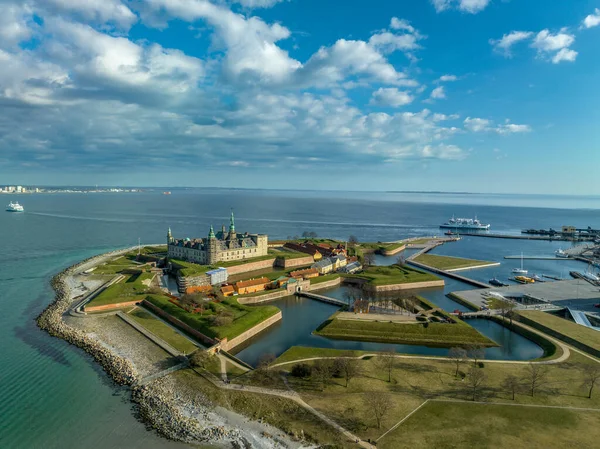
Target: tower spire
{"points": [[231, 223], [211, 234]]}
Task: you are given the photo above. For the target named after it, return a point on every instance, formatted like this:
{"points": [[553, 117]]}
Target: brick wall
{"points": [[263, 298], [409, 286], [290, 263], [326, 284]]}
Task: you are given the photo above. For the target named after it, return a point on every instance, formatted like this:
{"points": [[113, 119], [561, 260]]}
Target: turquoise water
{"points": [[53, 396]]}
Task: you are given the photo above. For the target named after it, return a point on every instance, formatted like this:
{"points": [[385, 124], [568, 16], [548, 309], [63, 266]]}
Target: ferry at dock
{"points": [[14, 207], [465, 224]]}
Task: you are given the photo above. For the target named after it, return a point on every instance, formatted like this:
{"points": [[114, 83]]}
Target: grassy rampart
{"points": [[132, 288], [242, 317], [393, 274], [449, 263]]}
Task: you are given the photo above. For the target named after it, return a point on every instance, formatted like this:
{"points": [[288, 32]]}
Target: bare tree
{"points": [[352, 240], [458, 356], [264, 365], [476, 353], [386, 361], [321, 372], [536, 376], [506, 308], [476, 378], [511, 383], [368, 259], [379, 403], [347, 367], [591, 375], [401, 260]]}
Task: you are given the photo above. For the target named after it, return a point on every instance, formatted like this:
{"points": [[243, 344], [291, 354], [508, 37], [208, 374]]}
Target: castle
{"points": [[220, 247]]}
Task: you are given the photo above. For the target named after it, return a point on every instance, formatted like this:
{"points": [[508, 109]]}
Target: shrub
{"points": [[301, 370]]}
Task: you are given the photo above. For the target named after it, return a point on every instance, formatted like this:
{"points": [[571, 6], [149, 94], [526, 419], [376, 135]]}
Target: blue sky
{"points": [[463, 95]]}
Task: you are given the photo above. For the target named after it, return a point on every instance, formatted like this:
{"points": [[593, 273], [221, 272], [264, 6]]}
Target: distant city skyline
{"points": [[480, 96]]}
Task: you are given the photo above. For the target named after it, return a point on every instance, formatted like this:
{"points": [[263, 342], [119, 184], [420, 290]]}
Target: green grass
{"points": [[394, 274], [420, 241], [433, 334], [448, 263], [324, 278], [131, 288], [485, 426], [244, 317], [162, 330], [115, 266], [306, 352], [585, 335]]}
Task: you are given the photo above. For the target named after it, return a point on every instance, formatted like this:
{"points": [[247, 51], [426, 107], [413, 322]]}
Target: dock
{"points": [[322, 298], [537, 258]]}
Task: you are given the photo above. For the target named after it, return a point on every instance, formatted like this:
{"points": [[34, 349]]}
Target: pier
{"points": [[537, 258], [322, 298]]}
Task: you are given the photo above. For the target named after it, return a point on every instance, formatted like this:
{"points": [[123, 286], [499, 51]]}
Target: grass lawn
{"points": [[132, 288], [305, 352], [414, 380], [279, 412], [568, 328], [432, 334], [244, 317], [481, 426], [394, 274], [449, 263], [420, 241], [163, 331], [324, 278], [115, 266]]}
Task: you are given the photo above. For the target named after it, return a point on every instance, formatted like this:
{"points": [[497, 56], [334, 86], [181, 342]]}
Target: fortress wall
{"points": [[110, 306], [326, 284], [397, 287], [290, 263], [251, 266], [263, 298], [230, 344]]}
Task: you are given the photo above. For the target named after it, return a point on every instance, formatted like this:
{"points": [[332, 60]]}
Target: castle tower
{"points": [[169, 237], [232, 234], [212, 250]]}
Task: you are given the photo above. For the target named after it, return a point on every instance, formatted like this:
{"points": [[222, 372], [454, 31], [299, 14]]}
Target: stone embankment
{"points": [[121, 370]]}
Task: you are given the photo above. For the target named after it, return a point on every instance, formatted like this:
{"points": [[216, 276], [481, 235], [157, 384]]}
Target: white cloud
{"points": [[101, 11], [547, 43], [448, 78], [592, 20], [504, 44], [14, 24], [438, 93], [254, 4], [442, 151], [391, 97], [442, 117], [478, 125], [564, 54], [470, 6], [401, 24]]}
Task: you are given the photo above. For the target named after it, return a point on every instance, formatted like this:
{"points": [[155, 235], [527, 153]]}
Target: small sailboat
{"points": [[520, 271], [561, 254]]}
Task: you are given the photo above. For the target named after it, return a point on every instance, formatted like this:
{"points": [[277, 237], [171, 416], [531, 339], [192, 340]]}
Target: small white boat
{"points": [[520, 271], [14, 207], [560, 253]]}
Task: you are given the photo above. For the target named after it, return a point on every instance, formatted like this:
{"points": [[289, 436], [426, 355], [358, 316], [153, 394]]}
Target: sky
{"points": [[453, 95]]}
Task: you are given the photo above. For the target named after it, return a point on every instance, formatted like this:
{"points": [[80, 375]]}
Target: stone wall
{"points": [[251, 266], [280, 293], [180, 324], [393, 251], [397, 287], [230, 344], [297, 262], [326, 284]]}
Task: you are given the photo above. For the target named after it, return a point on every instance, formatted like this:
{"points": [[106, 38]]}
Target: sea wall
{"points": [[398, 287], [230, 344], [120, 369], [394, 251]]}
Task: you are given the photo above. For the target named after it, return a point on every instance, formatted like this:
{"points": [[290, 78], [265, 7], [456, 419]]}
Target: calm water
{"points": [[52, 395]]}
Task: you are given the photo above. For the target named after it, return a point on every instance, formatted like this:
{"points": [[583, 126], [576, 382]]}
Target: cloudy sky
{"points": [[469, 95]]}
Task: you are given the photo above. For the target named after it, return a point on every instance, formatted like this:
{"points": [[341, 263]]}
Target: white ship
{"points": [[14, 207], [465, 223]]}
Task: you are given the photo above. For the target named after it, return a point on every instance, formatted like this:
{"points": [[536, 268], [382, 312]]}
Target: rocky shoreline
{"points": [[156, 401]]}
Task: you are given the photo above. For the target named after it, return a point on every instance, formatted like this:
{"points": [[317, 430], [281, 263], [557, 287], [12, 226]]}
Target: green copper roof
{"points": [[211, 234], [231, 223]]}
